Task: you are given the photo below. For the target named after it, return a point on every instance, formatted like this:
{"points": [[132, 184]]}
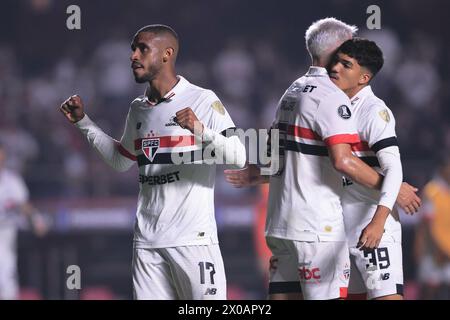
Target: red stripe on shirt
{"points": [[168, 141], [303, 133], [342, 138], [361, 146], [125, 153], [343, 292]]}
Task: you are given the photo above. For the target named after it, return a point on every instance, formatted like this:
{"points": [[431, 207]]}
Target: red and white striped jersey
{"points": [[176, 201], [376, 128], [304, 198]]}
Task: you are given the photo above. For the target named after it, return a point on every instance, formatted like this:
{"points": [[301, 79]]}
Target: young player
{"points": [[378, 270]]}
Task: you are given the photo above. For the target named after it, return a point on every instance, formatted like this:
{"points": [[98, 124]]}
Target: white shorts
{"points": [[9, 284], [379, 272], [184, 273], [318, 270]]}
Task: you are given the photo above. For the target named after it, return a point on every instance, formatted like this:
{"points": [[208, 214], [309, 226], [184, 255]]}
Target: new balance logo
{"points": [[210, 291], [384, 276]]}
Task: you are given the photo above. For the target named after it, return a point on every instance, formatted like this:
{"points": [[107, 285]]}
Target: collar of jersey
{"points": [[181, 84], [317, 71], [364, 92]]}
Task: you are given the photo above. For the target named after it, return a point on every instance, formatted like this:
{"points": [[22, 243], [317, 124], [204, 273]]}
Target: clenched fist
{"points": [[72, 109], [187, 119]]}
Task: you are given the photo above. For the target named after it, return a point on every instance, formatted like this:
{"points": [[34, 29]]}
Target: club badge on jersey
{"points": [[344, 112], [150, 147]]}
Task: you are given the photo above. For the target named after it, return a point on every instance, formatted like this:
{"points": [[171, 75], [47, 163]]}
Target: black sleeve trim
{"points": [[388, 142], [229, 132]]}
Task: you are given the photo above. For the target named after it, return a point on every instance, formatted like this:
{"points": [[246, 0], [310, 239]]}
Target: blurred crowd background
{"points": [[248, 52]]}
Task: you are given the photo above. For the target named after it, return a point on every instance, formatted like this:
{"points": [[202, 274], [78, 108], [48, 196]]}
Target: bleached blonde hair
{"points": [[327, 34]]}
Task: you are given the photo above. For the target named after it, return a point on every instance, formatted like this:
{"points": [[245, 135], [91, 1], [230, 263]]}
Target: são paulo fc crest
{"points": [[150, 147]]}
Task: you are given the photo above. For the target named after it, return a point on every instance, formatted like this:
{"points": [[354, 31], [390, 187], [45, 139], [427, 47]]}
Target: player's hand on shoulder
{"points": [[72, 108], [187, 119], [408, 199]]}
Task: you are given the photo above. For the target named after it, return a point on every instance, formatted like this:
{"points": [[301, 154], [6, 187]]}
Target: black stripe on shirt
{"points": [[304, 148], [322, 151], [166, 158], [388, 142], [282, 126]]}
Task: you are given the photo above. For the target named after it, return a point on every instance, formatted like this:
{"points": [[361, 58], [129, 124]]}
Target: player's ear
{"points": [[168, 53], [365, 77]]}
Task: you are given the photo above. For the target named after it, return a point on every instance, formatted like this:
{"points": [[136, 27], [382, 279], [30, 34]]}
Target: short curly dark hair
{"points": [[366, 52]]}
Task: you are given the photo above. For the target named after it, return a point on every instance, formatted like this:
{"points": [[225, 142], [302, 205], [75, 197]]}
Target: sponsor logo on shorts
{"points": [[210, 291], [384, 276], [309, 273]]}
